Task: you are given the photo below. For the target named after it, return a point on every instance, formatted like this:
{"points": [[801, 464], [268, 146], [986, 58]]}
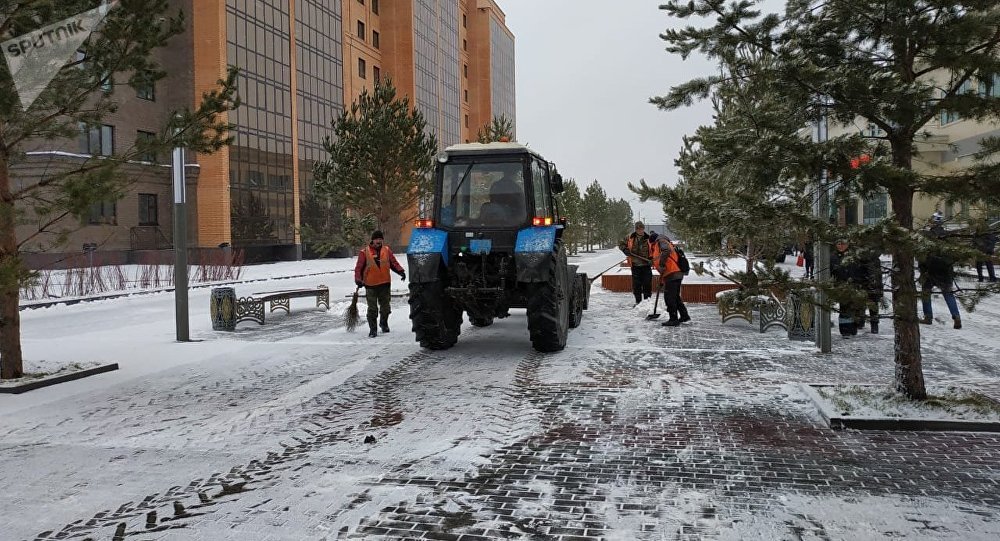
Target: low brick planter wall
{"points": [[691, 292]]}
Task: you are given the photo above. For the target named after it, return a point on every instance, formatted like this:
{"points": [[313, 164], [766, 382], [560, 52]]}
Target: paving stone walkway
{"points": [[635, 431]]}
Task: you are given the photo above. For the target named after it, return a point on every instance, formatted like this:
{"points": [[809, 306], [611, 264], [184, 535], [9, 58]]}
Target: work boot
{"points": [[927, 320], [874, 326], [384, 324], [671, 322], [958, 322], [684, 318], [372, 329]]}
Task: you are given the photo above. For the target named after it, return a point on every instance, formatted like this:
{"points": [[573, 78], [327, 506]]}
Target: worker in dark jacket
{"points": [[637, 247], [986, 242], [870, 267], [372, 272], [937, 269], [846, 269]]}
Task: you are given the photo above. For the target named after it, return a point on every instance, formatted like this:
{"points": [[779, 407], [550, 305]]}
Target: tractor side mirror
{"points": [[557, 183]]}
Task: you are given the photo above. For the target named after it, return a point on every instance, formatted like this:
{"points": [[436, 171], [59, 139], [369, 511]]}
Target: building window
{"points": [[466, 96], [97, 140], [145, 88], [255, 179], [143, 143], [465, 70], [947, 117], [375, 7], [280, 182], [361, 30], [107, 82], [376, 73], [875, 209], [362, 2], [466, 121], [465, 45], [375, 39], [149, 210], [465, 21], [362, 68], [104, 213]]}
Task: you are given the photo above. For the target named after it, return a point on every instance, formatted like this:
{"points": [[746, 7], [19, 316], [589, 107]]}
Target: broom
{"points": [[351, 315]]}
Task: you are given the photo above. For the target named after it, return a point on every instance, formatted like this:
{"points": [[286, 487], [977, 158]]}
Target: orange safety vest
{"points": [[375, 275], [630, 243], [671, 264]]}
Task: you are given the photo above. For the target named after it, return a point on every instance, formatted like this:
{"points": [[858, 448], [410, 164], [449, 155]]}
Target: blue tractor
{"points": [[492, 241]]}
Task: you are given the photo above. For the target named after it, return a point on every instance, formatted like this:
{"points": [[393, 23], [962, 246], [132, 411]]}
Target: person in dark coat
{"points": [[937, 269], [870, 268], [986, 242], [846, 269], [808, 260]]}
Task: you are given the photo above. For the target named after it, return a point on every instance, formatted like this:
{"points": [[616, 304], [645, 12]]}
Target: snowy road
{"points": [[300, 430]]}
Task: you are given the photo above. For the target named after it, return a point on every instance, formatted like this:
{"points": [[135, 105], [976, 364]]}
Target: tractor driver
{"points": [[506, 204]]}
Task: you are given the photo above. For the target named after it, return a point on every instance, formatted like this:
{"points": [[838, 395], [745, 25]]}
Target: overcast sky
{"points": [[585, 72]]}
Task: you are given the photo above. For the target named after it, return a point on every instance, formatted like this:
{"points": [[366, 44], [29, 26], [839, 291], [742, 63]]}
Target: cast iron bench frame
{"points": [[252, 308]]}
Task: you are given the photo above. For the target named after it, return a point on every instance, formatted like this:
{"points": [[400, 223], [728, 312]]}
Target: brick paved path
{"points": [[642, 432]]}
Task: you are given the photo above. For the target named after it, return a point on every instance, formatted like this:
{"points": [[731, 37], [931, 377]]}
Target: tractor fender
{"points": [[427, 251], [533, 253]]}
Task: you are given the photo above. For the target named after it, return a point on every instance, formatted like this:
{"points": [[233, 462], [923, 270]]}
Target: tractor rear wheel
{"points": [[436, 323]]}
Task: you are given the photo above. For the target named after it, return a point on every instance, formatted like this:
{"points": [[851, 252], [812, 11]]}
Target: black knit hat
{"points": [[377, 234]]}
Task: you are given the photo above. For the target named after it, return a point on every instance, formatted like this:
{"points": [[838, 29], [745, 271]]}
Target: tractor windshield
{"points": [[483, 194]]}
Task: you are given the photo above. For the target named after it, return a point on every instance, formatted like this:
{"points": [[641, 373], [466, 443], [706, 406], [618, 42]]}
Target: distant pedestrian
{"points": [[871, 277], [671, 279], [846, 269], [372, 271], [986, 242], [937, 269], [639, 251], [808, 260]]}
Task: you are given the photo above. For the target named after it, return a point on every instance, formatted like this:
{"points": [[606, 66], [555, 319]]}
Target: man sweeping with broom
{"points": [[372, 273]]}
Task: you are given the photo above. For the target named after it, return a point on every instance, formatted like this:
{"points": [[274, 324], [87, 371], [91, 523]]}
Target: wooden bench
{"points": [[252, 308]]}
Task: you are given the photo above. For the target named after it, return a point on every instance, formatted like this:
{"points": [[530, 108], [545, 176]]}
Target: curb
{"points": [[836, 422], [45, 382]]}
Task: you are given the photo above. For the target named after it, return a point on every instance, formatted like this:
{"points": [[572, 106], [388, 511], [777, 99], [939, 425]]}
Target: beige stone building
{"points": [[950, 147], [301, 62]]}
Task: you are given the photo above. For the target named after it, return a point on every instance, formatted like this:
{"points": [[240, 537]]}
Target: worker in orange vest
{"points": [[638, 249], [372, 271], [671, 277]]}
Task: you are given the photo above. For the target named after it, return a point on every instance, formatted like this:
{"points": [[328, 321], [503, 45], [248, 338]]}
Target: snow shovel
{"points": [[656, 301]]}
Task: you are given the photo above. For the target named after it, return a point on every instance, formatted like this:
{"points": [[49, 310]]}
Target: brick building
{"points": [[301, 62]]}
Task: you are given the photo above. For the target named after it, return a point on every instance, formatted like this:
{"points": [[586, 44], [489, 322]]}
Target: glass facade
{"points": [[502, 72], [437, 68], [260, 168], [318, 38]]}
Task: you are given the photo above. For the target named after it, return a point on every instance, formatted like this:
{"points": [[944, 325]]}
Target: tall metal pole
{"points": [[821, 209], [180, 247]]}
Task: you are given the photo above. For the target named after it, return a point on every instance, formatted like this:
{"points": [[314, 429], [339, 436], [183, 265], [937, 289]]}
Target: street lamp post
{"points": [[821, 209], [180, 247]]}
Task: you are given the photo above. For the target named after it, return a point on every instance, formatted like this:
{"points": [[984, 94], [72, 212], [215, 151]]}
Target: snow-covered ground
{"points": [[300, 430]]}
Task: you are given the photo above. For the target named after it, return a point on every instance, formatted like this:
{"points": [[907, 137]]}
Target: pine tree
{"points": [[735, 174], [570, 203], [592, 209], [82, 92], [895, 64], [500, 128], [380, 159]]}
